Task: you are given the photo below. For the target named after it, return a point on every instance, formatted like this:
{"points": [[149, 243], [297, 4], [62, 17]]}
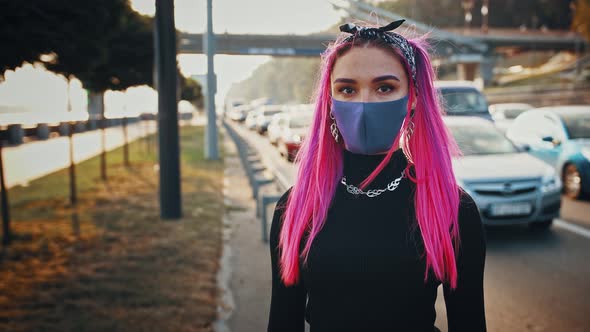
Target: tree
{"points": [[581, 20], [283, 80], [72, 34], [191, 91], [104, 43], [503, 13]]}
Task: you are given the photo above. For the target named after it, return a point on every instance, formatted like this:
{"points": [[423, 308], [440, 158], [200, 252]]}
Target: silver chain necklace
{"points": [[372, 192]]}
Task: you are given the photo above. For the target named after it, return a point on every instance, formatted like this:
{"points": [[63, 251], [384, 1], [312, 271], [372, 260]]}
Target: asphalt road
{"points": [[534, 280]]}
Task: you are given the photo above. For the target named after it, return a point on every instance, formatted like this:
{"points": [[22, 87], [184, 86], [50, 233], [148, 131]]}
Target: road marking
{"points": [[572, 228]]}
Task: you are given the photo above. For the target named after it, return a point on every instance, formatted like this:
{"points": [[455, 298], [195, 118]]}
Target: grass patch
{"points": [[111, 264]]}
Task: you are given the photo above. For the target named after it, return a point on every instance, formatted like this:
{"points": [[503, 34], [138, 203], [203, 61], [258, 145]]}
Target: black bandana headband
{"points": [[385, 34]]}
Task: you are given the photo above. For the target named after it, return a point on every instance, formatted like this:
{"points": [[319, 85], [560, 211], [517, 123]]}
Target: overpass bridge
{"points": [[474, 53], [498, 40]]}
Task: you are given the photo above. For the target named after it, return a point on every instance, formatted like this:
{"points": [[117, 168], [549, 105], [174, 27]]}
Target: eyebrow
{"points": [[376, 79]]}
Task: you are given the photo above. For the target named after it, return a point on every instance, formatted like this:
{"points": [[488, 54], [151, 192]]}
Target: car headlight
{"points": [[550, 182], [586, 153]]}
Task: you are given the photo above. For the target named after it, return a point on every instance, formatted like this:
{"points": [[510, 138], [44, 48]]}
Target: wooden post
{"points": [[73, 189], [7, 235], [125, 143]]}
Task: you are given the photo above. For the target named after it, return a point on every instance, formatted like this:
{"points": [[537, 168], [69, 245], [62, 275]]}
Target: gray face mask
{"points": [[369, 128]]}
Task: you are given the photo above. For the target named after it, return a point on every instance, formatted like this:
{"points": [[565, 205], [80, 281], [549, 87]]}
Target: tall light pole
{"points": [[211, 148], [485, 7]]}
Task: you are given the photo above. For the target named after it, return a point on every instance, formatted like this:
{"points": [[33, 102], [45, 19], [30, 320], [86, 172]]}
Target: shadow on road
{"points": [[521, 238]]}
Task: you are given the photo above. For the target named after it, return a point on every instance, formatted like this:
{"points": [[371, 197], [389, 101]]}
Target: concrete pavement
{"points": [[246, 264]]}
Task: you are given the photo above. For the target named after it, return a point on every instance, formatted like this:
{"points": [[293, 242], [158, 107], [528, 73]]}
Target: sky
{"points": [[38, 90]]}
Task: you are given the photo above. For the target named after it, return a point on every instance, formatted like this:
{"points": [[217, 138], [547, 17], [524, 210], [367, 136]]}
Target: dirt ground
{"points": [[111, 263]]}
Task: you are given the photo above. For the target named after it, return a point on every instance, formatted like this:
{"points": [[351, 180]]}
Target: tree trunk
{"points": [[96, 111]]}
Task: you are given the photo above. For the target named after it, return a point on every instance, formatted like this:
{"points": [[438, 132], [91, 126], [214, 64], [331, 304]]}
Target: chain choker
{"points": [[373, 192]]}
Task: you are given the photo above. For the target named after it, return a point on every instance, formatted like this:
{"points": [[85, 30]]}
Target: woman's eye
{"points": [[385, 88], [346, 90]]}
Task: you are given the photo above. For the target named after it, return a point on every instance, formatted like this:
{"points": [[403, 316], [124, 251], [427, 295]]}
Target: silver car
{"points": [[508, 185], [463, 98]]}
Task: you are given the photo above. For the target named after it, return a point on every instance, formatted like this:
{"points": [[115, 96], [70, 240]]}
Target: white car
{"points": [[505, 113], [275, 127], [265, 115], [294, 131]]}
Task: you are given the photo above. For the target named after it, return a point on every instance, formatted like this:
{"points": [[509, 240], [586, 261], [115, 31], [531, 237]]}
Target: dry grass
{"points": [[112, 264]]}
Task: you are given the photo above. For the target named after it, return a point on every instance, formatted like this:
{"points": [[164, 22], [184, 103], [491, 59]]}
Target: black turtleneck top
{"points": [[366, 267]]}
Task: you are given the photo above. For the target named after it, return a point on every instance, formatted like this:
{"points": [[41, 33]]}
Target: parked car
{"points": [[265, 115], [508, 185], [294, 131], [463, 98], [559, 135], [505, 113]]}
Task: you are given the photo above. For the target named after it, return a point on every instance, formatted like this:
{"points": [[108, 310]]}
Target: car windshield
{"points": [[512, 113], [300, 121], [578, 125], [481, 140], [460, 101]]}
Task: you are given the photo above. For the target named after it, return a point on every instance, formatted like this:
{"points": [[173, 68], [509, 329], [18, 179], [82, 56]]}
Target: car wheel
{"points": [[542, 225], [572, 181]]}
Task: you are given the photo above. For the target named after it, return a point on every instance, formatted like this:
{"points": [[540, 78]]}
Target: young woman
{"points": [[376, 221]]}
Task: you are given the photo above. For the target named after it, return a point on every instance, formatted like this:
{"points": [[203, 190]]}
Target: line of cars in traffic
{"points": [[285, 125], [516, 161]]}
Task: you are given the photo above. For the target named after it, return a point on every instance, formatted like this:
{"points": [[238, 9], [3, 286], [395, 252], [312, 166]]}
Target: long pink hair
{"points": [[429, 151]]}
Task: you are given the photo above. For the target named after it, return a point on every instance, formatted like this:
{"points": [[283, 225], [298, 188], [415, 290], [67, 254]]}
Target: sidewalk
{"points": [[248, 263]]}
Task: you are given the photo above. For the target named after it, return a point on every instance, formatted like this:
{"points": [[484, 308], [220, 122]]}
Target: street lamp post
{"points": [[467, 7], [211, 145]]}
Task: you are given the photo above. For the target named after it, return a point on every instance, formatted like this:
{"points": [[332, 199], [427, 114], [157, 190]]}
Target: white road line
{"points": [[585, 232]]}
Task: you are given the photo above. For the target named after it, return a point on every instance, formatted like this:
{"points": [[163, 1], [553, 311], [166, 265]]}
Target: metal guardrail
{"points": [[254, 165]]}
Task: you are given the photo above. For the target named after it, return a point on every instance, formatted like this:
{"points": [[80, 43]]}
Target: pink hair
{"points": [[320, 170]]}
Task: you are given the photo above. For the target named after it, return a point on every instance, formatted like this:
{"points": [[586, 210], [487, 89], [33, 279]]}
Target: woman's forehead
{"points": [[366, 63]]}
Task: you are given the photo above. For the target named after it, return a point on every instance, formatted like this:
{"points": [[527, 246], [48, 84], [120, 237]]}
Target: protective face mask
{"points": [[369, 128]]}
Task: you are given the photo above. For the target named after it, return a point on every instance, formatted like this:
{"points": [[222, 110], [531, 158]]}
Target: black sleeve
{"points": [[287, 305], [465, 304]]}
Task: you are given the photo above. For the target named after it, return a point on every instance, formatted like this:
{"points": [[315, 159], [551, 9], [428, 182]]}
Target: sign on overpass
{"points": [[276, 45]]}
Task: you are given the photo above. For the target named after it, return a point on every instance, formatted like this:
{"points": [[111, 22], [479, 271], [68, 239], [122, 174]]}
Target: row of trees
{"points": [[284, 80], [553, 14], [105, 44]]}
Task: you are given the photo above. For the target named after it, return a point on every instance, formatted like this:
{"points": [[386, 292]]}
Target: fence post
{"points": [[125, 143], [103, 153], [7, 235], [73, 191]]}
